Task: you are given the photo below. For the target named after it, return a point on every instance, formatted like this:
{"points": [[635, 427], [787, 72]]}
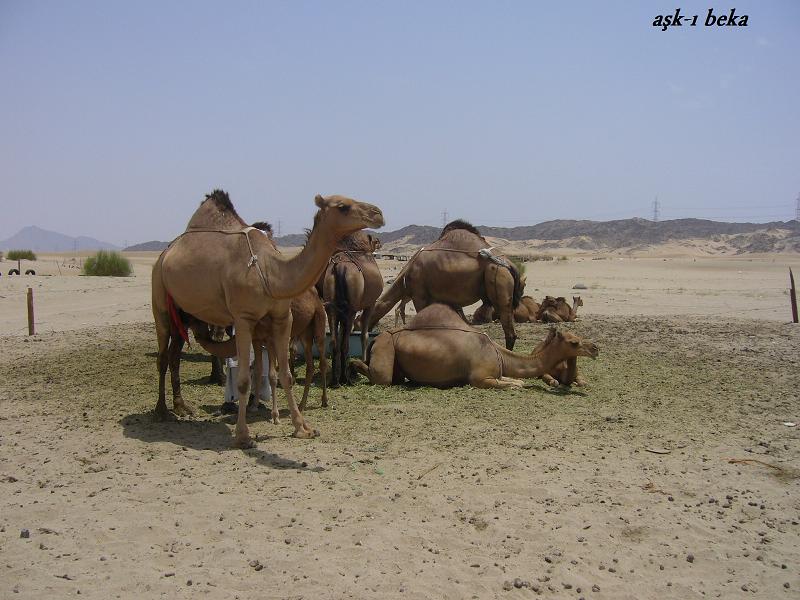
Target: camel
{"points": [[223, 272], [457, 269], [483, 314], [564, 373], [439, 349], [308, 326], [352, 282], [556, 310], [524, 313]]}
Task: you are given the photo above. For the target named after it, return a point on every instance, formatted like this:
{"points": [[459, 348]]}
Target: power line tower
{"points": [[279, 228], [656, 210], [797, 209], [444, 218]]}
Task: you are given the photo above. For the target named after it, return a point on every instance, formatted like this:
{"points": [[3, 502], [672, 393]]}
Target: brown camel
{"points": [[223, 272], [556, 310], [563, 373], [484, 314], [308, 326], [524, 313], [457, 269], [352, 282], [440, 350]]}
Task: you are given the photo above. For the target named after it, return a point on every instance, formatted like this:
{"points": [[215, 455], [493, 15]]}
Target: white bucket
{"points": [[232, 366]]}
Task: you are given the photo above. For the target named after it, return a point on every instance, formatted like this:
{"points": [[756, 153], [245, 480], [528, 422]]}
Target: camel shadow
{"points": [[202, 435], [185, 356], [566, 391]]}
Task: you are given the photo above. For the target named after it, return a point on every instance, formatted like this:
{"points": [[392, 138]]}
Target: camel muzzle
{"points": [[374, 216]]}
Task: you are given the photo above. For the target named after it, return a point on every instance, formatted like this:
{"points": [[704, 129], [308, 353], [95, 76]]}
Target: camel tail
{"points": [[340, 300], [518, 289]]}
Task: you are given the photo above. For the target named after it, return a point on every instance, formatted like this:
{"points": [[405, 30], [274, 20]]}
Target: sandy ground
{"points": [[622, 490]]}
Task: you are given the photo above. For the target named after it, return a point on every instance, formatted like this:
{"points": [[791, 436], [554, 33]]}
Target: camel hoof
{"points": [[306, 433], [161, 414], [183, 410], [244, 443]]}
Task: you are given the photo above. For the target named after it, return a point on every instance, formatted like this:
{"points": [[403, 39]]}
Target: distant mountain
{"points": [[733, 238], [153, 246], [40, 240]]}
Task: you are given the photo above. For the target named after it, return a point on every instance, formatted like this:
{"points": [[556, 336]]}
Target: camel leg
{"points": [[333, 326], [162, 332], [273, 380], [281, 333], [501, 383], [308, 340], [346, 325], [381, 369], [244, 336], [550, 380], [319, 336], [179, 407], [258, 370], [365, 315]]}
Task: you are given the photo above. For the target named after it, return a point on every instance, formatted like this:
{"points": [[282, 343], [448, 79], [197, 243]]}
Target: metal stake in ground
{"points": [[793, 297], [31, 329]]}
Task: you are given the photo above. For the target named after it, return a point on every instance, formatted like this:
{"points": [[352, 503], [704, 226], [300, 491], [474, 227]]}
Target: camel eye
{"points": [[576, 344], [344, 208]]}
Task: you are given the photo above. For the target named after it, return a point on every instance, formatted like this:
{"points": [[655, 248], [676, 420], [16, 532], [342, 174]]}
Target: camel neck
{"points": [[289, 277], [524, 365]]}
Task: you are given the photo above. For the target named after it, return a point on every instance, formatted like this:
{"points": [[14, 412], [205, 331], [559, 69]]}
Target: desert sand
{"points": [[624, 489]]}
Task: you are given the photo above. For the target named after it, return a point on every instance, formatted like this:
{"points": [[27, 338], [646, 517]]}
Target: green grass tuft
{"points": [[21, 255], [107, 264]]}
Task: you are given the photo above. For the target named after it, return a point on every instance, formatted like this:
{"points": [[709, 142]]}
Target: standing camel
{"points": [[223, 272], [352, 282], [440, 350], [458, 269]]}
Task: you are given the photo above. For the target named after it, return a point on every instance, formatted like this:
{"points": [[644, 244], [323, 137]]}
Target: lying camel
{"points": [[524, 313], [440, 350], [556, 310], [564, 373]]}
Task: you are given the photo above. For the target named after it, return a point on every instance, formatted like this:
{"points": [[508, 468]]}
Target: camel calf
{"points": [[440, 350]]}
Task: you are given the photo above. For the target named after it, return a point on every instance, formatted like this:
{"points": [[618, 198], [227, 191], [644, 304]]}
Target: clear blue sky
{"points": [[117, 117]]}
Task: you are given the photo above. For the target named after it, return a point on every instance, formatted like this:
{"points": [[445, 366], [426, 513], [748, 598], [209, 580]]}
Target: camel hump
{"points": [[459, 224], [438, 315], [216, 212]]}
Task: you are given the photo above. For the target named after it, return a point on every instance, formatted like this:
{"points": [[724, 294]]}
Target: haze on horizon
{"points": [[118, 117]]}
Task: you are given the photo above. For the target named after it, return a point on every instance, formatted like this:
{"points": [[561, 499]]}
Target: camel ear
{"points": [[320, 201]]}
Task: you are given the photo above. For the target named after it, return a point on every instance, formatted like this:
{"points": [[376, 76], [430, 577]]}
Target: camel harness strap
{"points": [[246, 231]]}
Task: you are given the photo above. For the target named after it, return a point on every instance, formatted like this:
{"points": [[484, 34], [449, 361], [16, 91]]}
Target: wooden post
{"points": [[793, 297], [31, 328]]}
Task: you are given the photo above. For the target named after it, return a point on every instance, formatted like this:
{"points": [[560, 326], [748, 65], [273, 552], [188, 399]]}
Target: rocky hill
{"points": [[727, 238], [41, 240], [633, 234]]}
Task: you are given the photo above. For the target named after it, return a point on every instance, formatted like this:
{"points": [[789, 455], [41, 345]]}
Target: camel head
{"points": [[576, 301], [374, 242], [341, 216], [569, 344]]}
